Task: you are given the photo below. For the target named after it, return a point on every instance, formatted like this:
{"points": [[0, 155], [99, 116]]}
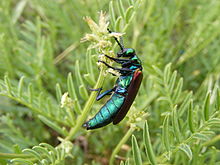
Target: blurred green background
{"points": [[41, 58]]}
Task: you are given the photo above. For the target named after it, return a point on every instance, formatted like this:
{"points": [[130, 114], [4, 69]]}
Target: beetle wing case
{"points": [[132, 92]]}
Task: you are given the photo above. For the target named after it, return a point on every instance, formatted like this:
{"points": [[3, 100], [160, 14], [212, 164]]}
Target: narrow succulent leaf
{"points": [[62, 153], [206, 107], [53, 156], [21, 161], [8, 84], [30, 93], [218, 99], [214, 122], [70, 86], [131, 2], [118, 24], [51, 148], [72, 93], [200, 136], [89, 67], [150, 8], [158, 71], [49, 107], [131, 18], [190, 117], [121, 8], [83, 92], [20, 86], [185, 104], [172, 81], [41, 100], [165, 133], [33, 153], [71, 116], [208, 133], [136, 151], [17, 12], [128, 14], [148, 146], [167, 73], [112, 13], [53, 125], [127, 162], [58, 93], [89, 80], [44, 162], [186, 149], [43, 151], [178, 90], [175, 124], [122, 163], [59, 153], [89, 76]]}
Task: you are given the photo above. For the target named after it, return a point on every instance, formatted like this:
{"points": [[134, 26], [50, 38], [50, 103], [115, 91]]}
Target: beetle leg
{"points": [[119, 69], [107, 92], [127, 63], [98, 89], [120, 61]]}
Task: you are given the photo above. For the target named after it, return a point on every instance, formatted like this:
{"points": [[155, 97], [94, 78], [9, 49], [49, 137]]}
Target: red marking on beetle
{"points": [[132, 92]]}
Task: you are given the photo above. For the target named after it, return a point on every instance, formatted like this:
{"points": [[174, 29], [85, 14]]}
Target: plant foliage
{"points": [[46, 68]]}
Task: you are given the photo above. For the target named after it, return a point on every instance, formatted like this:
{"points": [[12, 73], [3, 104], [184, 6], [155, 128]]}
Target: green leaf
{"points": [[17, 12], [190, 117], [175, 124], [30, 93], [72, 93], [44, 152], [51, 148], [207, 107], [118, 24], [82, 90], [112, 13], [148, 146], [127, 162], [128, 14], [20, 86], [136, 151], [218, 99], [165, 133], [121, 8], [53, 125], [8, 85], [214, 122], [167, 73], [58, 93], [159, 72], [186, 149], [185, 104], [21, 161], [34, 153], [122, 163], [172, 81], [200, 136], [178, 90]]}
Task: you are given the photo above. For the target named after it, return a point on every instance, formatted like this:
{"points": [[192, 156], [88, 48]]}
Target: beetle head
{"points": [[126, 52]]}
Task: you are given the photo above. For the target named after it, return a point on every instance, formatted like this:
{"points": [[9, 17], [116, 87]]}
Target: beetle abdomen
{"points": [[106, 113]]}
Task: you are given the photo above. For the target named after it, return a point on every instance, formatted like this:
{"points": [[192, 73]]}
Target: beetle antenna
{"points": [[120, 45]]}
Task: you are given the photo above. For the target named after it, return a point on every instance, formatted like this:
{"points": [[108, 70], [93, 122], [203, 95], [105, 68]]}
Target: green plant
{"points": [[45, 71]]}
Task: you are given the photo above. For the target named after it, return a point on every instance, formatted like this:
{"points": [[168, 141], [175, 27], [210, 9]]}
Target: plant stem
{"points": [[87, 108], [123, 140], [11, 156]]}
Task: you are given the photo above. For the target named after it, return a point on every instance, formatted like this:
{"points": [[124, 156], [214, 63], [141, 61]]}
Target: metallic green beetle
{"points": [[124, 91]]}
